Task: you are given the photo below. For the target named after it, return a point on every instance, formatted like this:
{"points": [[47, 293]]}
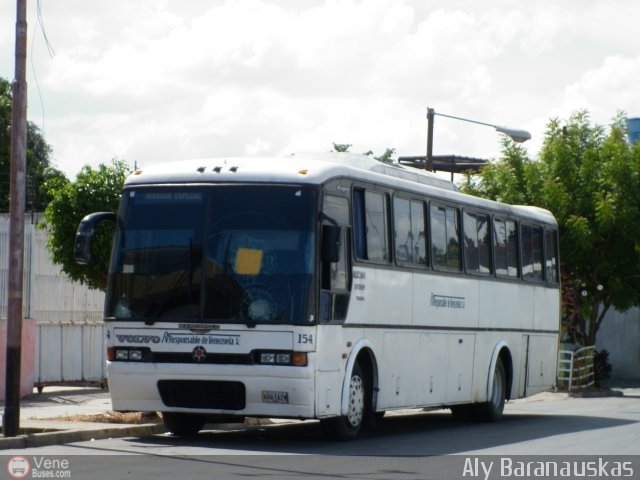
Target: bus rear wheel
{"points": [[462, 413], [492, 410], [183, 424], [347, 427]]}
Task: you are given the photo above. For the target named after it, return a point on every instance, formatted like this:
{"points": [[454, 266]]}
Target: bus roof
{"points": [[314, 169], [317, 169]]}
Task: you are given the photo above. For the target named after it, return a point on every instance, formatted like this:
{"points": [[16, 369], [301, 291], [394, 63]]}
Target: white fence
{"points": [[69, 345], [69, 353], [576, 368]]}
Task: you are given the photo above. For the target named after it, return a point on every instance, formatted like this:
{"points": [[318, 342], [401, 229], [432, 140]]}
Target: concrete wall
{"points": [[619, 334]]}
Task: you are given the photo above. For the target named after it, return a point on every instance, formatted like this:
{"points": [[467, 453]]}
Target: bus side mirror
{"points": [[82, 249], [331, 243]]}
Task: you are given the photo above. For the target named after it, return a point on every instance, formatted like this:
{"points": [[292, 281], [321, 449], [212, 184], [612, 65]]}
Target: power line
{"points": [[50, 50], [595, 20], [616, 7]]}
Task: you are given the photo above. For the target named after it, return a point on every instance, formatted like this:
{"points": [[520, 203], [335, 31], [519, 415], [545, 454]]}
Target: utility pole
{"points": [[11, 419], [428, 164]]}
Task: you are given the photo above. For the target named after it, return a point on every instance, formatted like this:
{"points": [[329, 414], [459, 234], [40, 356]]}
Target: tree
{"points": [[589, 178], [93, 191], [38, 167], [386, 157], [341, 147]]}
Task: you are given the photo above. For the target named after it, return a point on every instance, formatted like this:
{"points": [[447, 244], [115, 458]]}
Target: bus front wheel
{"points": [[183, 424], [347, 427]]}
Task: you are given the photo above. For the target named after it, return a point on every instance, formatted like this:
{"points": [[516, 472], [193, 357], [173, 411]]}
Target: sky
{"points": [[152, 81]]}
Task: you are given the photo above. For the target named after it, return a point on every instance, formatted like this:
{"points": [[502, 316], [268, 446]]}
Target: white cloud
{"points": [[613, 83], [156, 80]]}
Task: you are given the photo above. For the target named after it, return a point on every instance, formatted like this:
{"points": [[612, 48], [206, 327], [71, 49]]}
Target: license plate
{"points": [[275, 397]]}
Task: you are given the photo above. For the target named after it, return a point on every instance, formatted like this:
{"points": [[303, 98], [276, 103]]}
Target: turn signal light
{"points": [[299, 359]]}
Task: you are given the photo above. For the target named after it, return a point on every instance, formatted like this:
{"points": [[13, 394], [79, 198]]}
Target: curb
{"points": [[70, 436], [596, 393]]}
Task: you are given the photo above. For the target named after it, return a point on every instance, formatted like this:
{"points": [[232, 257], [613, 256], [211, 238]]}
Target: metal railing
{"points": [[576, 368]]}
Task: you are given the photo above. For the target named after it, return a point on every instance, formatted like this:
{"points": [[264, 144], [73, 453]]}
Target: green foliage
{"points": [[341, 147], [589, 177], [93, 191], [386, 157], [507, 180], [38, 168]]}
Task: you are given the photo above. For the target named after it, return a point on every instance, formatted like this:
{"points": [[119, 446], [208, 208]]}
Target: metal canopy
{"points": [[445, 163]]}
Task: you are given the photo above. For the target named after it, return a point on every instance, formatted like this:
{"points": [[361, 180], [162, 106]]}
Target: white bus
{"points": [[332, 288]]}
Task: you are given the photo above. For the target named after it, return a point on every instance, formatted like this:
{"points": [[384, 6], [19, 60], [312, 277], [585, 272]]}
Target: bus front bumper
{"points": [[269, 391]]}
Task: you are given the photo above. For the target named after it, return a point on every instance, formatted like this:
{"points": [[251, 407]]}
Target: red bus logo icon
{"points": [[18, 467]]}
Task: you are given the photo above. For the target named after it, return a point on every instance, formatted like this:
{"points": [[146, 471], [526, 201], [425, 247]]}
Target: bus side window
{"points": [[419, 231], [403, 237], [477, 241], [409, 232], [335, 275], [376, 207], [505, 243], [551, 255], [531, 252], [336, 281], [337, 209], [359, 225], [370, 225], [445, 237]]}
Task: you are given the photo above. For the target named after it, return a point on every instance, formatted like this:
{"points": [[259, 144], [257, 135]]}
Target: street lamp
{"points": [[516, 135]]}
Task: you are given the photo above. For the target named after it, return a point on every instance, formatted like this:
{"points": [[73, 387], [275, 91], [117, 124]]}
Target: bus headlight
{"points": [[126, 354], [135, 355], [283, 358], [122, 354], [267, 357], [298, 359]]}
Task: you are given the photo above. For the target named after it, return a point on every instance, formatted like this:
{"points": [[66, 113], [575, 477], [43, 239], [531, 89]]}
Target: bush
{"points": [[601, 367]]}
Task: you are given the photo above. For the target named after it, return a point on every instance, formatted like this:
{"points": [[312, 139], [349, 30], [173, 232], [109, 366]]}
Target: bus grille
{"points": [[202, 394]]}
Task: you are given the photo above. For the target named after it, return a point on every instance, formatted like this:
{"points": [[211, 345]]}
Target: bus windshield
{"points": [[223, 254]]}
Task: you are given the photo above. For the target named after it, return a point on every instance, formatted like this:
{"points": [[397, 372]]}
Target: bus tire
{"points": [[347, 427], [492, 410], [183, 424], [462, 413]]}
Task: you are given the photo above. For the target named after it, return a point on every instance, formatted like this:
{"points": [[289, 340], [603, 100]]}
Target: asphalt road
{"points": [[407, 446]]}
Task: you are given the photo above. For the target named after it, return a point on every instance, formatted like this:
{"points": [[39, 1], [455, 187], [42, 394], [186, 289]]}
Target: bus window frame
{"points": [[443, 268], [384, 192], [545, 229], [347, 250], [486, 213], [502, 276], [531, 224], [398, 194]]}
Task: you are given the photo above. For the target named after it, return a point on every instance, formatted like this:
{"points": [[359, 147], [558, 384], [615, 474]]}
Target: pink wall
{"points": [[27, 353]]}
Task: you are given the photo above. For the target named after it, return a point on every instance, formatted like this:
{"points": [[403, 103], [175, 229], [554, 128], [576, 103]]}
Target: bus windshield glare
{"points": [[223, 254]]}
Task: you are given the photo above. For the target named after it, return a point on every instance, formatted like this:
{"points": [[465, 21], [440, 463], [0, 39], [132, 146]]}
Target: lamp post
{"points": [[516, 135]]}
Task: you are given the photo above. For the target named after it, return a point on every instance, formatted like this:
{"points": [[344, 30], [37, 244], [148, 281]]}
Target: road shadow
{"points": [[398, 435]]}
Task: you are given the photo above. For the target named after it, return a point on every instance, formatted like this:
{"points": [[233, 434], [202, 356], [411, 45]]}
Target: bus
{"points": [[330, 287]]}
